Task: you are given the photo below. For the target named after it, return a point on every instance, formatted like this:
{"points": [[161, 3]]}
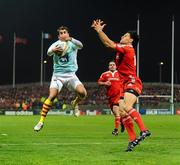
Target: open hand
{"points": [[98, 25]]}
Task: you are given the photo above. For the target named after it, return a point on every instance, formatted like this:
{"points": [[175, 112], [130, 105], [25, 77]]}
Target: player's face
{"points": [[63, 35], [112, 66], [126, 39]]}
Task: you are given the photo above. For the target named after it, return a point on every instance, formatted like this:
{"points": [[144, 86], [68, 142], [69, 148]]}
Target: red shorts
{"points": [[132, 83], [114, 100]]}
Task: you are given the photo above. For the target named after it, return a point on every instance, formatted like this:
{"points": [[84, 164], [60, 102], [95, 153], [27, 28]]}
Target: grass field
{"points": [[87, 140]]}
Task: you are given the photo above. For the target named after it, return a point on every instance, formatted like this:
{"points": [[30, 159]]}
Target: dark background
{"points": [[28, 18]]}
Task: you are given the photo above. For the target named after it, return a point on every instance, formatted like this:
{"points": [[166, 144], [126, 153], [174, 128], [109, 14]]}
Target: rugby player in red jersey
{"points": [[111, 80], [126, 66]]}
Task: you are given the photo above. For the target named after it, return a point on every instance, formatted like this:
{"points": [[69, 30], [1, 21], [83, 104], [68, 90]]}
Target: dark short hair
{"points": [[63, 28], [112, 60], [134, 36]]}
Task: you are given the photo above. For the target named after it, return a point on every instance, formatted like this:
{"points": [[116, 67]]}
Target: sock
{"points": [[117, 122], [137, 118], [128, 124], [46, 107], [75, 101]]}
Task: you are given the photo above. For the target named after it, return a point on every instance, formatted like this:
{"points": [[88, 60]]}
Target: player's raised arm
{"points": [[98, 26]]}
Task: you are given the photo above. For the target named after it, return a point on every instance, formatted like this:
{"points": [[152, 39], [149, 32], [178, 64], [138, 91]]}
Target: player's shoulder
{"points": [[116, 72], [70, 43], [107, 72], [124, 46], [104, 73]]}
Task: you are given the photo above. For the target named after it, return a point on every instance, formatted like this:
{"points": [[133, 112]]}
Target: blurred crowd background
{"points": [[31, 96]]}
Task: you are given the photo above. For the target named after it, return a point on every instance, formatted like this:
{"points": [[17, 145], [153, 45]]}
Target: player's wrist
{"points": [[99, 30]]}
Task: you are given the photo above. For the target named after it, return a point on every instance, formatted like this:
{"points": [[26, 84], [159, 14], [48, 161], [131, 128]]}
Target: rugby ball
{"points": [[63, 45]]}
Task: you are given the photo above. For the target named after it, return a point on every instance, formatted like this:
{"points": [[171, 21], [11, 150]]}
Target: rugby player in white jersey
{"points": [[64, 73]]}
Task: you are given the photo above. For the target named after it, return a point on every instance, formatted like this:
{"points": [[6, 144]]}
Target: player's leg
{"points": [[48, 103], [133, 88], [117, 119], [81, 94], [45, 108], [129, 100], [54, 89], [129, 125]]}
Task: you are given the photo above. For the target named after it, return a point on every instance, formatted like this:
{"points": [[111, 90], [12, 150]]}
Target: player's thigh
{"points": [[55, 87], [77, 86], [129, 99], [122, 105]]}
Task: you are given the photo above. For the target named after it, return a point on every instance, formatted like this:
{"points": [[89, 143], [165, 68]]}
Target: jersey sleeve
{"points": [[77, 43], [120, 49], [101, 78], [50, 52]]}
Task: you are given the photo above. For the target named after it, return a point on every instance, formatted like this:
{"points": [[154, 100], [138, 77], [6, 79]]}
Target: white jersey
{"points": [[68, 62]]}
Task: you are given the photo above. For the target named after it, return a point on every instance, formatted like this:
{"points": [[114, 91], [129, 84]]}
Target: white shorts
{"points": [[70, 80]]}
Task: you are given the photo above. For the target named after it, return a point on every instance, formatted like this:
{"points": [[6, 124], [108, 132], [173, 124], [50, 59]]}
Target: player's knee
{"points": [[116, 111], [81, 91], [82, 94], [116, 114], [51, 97], [52, 94], [124, 106], [123, 113]]}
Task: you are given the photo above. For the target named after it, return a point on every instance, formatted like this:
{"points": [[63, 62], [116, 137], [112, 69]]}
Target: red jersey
{"points": [[115, 87], [126, 60], [126, 65]]}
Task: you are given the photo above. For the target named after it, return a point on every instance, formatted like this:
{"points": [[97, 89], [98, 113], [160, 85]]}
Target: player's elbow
{"points": [[80, 46], [50, 53], [100, 83]]}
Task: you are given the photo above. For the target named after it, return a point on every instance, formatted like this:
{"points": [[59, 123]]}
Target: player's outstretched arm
{"points": [[98, 26]]}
